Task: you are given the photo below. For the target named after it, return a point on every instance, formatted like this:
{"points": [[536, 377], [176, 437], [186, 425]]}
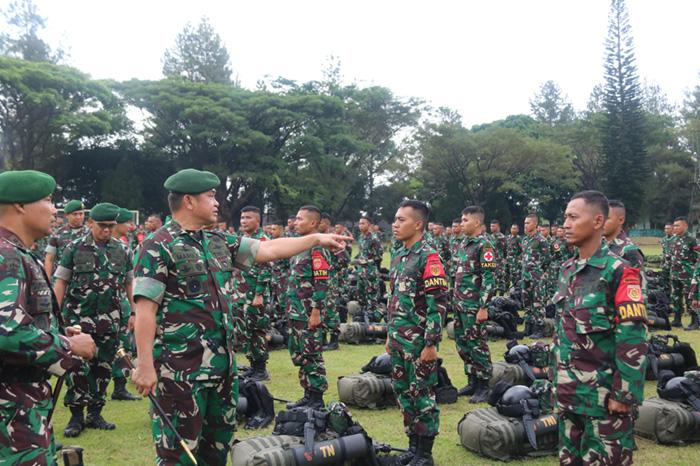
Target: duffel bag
{"points": [[667, 422], [366, 390], [510, 373]]}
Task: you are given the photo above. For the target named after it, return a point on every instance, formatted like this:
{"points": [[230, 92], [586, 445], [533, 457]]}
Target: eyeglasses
{"points": [[106, 226]]}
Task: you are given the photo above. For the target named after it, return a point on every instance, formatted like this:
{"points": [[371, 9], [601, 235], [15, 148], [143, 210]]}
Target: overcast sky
{"points": [[483, 58]]}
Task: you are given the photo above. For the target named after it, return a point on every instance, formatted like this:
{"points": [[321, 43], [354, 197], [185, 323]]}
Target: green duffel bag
{"points": [[667, 422], [366, 390], [450, 327], [270, 450], [351, 332], [488, 433], [507, 372]]}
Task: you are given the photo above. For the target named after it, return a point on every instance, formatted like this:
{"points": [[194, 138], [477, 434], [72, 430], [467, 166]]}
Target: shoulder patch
{"points": [[629, 299], [319, 265], [488, 257], [434, 273]]}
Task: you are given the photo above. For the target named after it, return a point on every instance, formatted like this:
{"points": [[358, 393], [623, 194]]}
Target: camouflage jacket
{"points": [[369, 249], [256, 280], [62, 238], [514, 249], [95, 276], [666, 250], [475, 263], [536, 256], [498, 240], [339, 262], [189, 274], [442, 246], [309, 274], [684, 256], [418, 298], [30, 345], [694, 294], [625, 248], [600, 342], [455, 243]]}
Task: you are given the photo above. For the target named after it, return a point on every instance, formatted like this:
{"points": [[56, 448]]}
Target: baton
{"points": [[121, 353], [57, 389]]}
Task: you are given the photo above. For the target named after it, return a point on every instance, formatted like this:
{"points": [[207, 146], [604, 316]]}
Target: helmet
{"points": [[516, 393], [518, 353]]}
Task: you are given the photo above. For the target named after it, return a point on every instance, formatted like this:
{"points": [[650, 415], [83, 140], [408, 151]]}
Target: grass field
{"points": [[131, 444]]}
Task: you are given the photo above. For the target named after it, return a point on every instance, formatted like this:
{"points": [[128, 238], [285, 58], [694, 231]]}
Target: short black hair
{"points": [[616, 204], [276, 221], [418, 206], [533, 215], [326, 216], [174, 202], [313, 209], [595, 198], [681, 219], [366, 217], [456, 220], [251, 208], [495, 221], [515, 225], [474, 210], [439, 224]]}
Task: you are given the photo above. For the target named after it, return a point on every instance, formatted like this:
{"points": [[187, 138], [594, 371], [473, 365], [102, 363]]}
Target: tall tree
{"points": [[22, 37], [551, 106], [623, 128], [199, 55]]}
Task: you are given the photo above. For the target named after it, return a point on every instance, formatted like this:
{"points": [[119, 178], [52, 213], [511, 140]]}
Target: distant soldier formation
{"points": [[191, 295]]}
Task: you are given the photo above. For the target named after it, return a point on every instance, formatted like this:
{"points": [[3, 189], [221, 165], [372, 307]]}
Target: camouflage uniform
{"points": [[666, 263], [367, 261], [338, 262], [535, 262], [600, 351], [625, 248], [308, 289], [684, 256], [500, 246], [62, 238], [279, 272], [475, 264], [514, 268], [31, 350], [190, 275], [252, 324], [126, 337], [558, 254], [96, 276], [442, 245], [417, 303]]}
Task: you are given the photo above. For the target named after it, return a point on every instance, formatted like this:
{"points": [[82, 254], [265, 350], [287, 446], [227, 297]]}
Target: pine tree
{"points": [[623, 128]]}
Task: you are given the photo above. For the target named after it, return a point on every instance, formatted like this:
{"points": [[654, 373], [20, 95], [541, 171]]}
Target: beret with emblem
{"points": [[25, 186], [72, 206], [104, 212], [125, 215], [191, 181]]}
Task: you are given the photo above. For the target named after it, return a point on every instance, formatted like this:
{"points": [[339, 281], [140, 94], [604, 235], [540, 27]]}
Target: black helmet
{"points": [[518, 353], [516, 393]]}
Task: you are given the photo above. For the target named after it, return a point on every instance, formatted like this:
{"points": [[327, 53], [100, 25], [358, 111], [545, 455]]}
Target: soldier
{"points": [[307, 305], [252, 287], [94, 274], [126, 328], [533, 279], [417, 305], [184, 321], [684, 256], [498, 241], [618, 242], [290, 231], [338, 262], [344, 290], [599, 344], [73, 229], [153, 223], [32, 346], [475, 264], [367, 262], [514, 251], [441, 241], [666, 258], [279, 271]]}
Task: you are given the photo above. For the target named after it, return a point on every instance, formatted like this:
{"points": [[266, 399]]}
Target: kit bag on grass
{"points": [[270, 450], [507, 372], [366, 390]]}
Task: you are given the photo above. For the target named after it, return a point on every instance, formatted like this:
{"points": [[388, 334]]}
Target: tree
{"points": [[623, 128], [550, 106], [24, 20], [199, 55]]}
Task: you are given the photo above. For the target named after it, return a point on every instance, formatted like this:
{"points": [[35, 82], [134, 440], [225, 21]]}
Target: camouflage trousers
{"points": [[534, 299], [331, 322], [470, 339], [414, 383], [368, 290], [680, 290], [513, 271], [126, 341], [278, 300], [665, 279], [26, 436], [252, 325], [203, 413], [305, 348], [587, 441], [88, 388], [500, 278]]}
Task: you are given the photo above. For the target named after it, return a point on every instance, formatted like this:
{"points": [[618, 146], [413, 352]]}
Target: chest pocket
{"points": [[83, 267], [116, 259], [191, 271], [40, 302], [591, 319], [218, 249]]}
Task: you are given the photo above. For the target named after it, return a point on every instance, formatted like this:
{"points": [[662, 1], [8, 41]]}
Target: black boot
{"points": [[95, 420], [537, 332], [406, 457], [332, 344], [469, 388], [528, 329], [259, 372], [76, 424], [315, 400], [694, 322], [424, 452], [121, 393], [677, 320], [481, 393], [303, 401]]}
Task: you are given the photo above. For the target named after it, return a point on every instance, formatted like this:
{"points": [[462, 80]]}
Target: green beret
{"points": [[191, 181], [72, 206], [25, 186], [125, 215], [104, 212]]}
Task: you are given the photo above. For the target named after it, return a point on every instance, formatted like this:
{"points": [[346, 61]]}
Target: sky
{"points": [[485, 59]]}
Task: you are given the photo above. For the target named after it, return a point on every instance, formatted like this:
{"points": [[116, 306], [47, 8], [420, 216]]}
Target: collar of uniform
{"points": [[597, 260], [12, 238], [469, 239], [176, 229], [403, 250]]}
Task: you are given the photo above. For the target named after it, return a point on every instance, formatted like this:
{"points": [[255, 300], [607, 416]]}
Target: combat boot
{"points": [[528, 329], [406, 456], [259, 371], [694, 322], [424, 452], [94, 419], [537, 332], [469, 388], [315, 400], [332, 344], [677, 320], [301, 402], [76, 424], [120, 392], [481, 393]]}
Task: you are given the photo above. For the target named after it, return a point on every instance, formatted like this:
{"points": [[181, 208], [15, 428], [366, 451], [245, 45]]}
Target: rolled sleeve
{"points": [[247, 250], [149, 288], [51, 249], [64, 273]]}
